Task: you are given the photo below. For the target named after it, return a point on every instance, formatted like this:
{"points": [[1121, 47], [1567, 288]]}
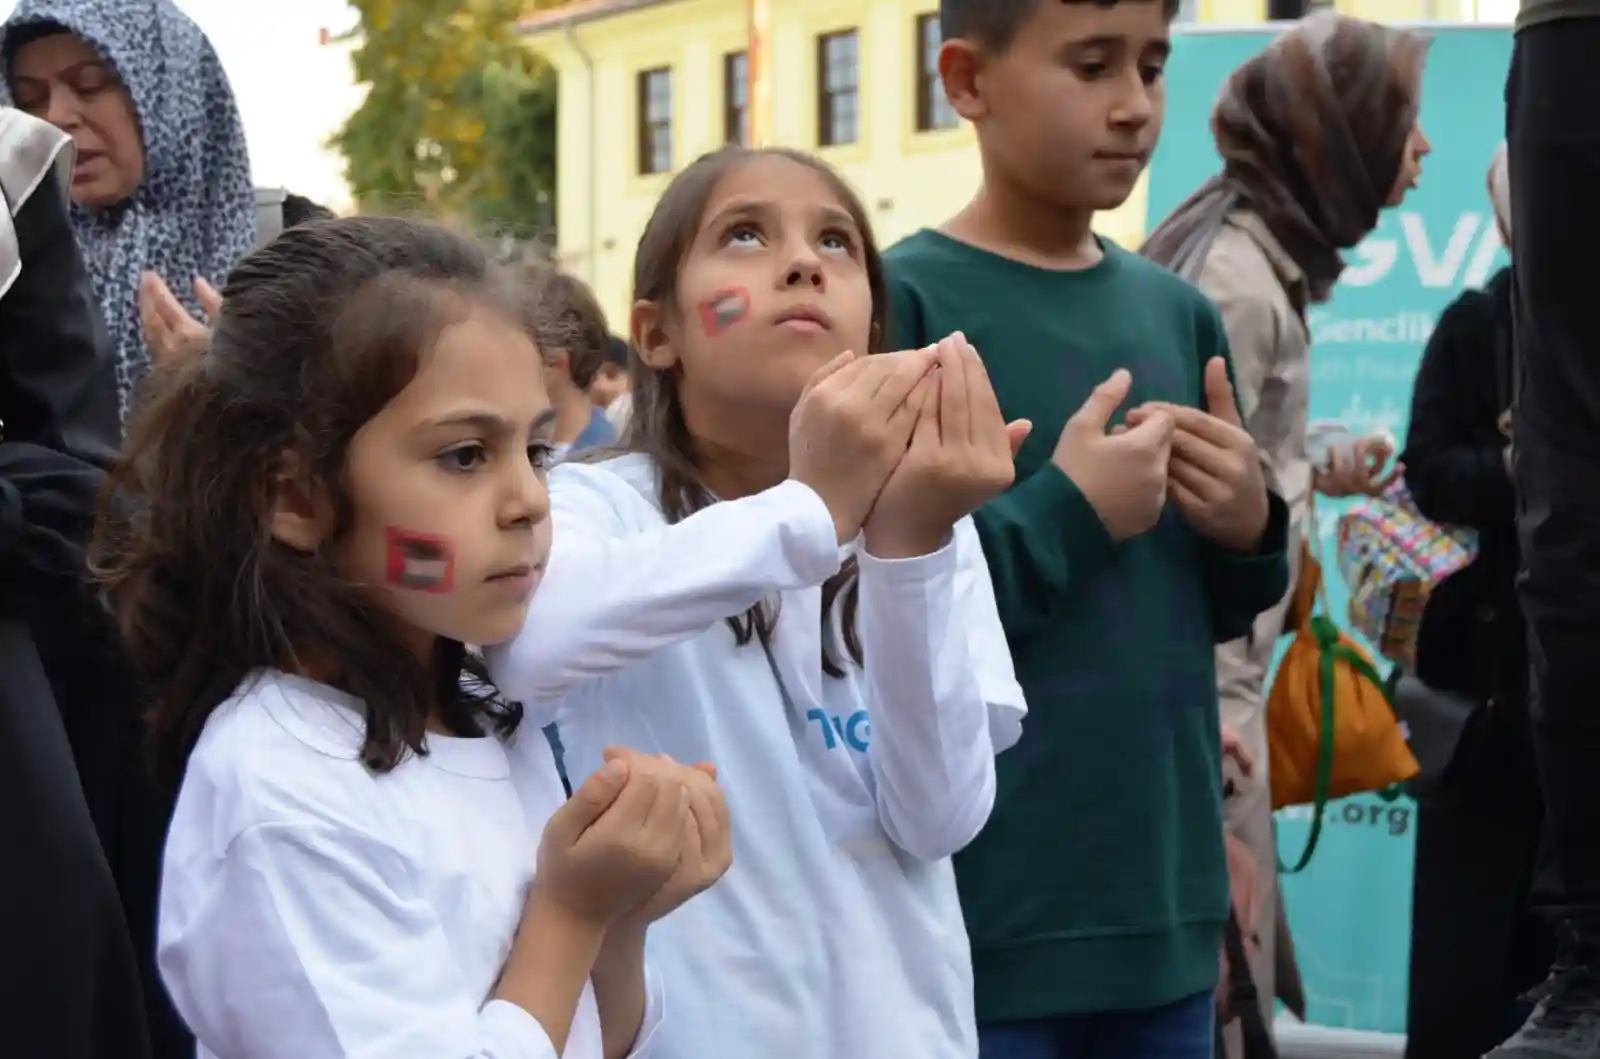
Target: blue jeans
{"points": [[1184, 1030]]}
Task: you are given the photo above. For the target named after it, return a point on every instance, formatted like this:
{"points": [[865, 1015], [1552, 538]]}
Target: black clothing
{"points": [[1476, 947], [69, 976], [1554, 136], [1553, 130]]}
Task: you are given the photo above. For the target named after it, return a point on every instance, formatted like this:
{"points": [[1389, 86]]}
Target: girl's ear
{"points": [[650, 336], [299, 510]]}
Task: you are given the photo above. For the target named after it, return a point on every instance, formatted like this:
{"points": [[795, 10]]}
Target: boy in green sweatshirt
{"points": [[1139, 534]]}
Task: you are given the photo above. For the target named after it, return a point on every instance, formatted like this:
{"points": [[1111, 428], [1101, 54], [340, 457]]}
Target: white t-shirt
{"points": [[312, 910], [837, 934]]}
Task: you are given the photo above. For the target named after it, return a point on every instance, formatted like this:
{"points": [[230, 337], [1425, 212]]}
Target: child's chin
{"points": [[1111, 194], [496, 625]]}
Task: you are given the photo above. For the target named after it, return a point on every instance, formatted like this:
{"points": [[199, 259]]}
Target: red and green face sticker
{"points": [[419, 561], [724, 309]]}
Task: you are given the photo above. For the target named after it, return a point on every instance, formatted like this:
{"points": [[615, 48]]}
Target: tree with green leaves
{"points": [[459, 117]]}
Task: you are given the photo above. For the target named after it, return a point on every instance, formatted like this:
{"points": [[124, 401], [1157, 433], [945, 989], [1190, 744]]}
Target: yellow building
{"points": [[648, 85]]}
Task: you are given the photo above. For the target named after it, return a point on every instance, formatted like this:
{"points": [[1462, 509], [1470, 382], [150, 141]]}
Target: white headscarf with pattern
{"points": [[194, 214]]}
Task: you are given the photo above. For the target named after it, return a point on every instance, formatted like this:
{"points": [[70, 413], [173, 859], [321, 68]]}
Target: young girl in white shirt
{"points": [[309, 522], [779, 575]]}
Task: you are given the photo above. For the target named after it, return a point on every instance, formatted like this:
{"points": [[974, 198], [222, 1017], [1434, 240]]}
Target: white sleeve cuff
{"points": [[914, 571], [509, 1032]]}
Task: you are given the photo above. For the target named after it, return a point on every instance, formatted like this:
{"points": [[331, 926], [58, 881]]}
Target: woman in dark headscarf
{"points": [[1318, 134], [162, 181], [68, 973]]}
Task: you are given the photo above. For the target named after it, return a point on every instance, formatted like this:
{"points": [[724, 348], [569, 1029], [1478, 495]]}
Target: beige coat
{"points": [[1262, 294]]}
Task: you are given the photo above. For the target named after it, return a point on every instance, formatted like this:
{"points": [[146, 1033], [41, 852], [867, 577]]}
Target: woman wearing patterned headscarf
{"points": [[1318, 134], [162, 181]]}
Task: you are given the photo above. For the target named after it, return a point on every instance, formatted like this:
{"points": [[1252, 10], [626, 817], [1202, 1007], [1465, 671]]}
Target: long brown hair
{"points": [[656, 426], [319, 331]]}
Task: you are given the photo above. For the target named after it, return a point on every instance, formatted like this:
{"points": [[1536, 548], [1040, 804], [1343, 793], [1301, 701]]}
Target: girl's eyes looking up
{"points": [[749, 233]]}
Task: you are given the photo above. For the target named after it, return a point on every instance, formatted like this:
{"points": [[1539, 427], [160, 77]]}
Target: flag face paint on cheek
{"points": [[419, 561], [724, 309]]}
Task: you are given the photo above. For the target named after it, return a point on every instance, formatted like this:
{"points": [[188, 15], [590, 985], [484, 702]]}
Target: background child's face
{"points": [[610, 383], [451, 511], [1072, 110], [774, 286]]}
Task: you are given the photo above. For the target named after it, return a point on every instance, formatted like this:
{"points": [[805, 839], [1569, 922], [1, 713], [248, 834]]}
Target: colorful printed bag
{"points": [[1391, 558]]}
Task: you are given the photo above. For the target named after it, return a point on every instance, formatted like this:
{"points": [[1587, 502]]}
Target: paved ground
{"points": [[1297, 1041]]}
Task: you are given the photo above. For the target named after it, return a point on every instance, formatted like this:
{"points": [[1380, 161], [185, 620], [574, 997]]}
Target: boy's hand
{"points": [[1123, 473], [960, 457], [1215, 477], [707, 842]]}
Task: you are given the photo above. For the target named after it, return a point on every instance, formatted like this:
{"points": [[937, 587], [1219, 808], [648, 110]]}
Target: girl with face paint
{"points": [[307, 527], [779, 574]]}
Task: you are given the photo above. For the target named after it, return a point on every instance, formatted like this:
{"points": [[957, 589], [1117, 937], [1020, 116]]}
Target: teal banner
{"points": [[1351, 909]]}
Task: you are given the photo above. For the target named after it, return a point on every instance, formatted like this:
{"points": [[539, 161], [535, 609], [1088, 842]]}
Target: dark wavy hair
{"points": [[569, 301], [656, 425], [319, 330]]}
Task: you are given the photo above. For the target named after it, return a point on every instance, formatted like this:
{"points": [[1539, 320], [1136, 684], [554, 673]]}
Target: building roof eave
{"points": [[577, 13]]}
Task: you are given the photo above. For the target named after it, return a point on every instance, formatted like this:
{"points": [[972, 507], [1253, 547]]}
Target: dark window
{"points": [[838, 88], [736, 98], [933, 109], [655, 121]]}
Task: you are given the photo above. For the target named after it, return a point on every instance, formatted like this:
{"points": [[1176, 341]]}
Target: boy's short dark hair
{"points": [[616, 354], [571, 304], [993, 24]]}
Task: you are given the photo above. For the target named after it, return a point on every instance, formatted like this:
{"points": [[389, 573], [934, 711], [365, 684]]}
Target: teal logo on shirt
{"points": [[854, 731]]}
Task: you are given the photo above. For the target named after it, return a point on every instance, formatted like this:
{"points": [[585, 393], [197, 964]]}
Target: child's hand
{"points": [[1122, 472], [614, 842], [707, 841], [960, 458], [851, 426], [1215, 476]]}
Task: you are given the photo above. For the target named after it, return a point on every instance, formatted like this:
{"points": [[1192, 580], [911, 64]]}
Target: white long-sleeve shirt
{"points": [[837, 932], [313, 910]]}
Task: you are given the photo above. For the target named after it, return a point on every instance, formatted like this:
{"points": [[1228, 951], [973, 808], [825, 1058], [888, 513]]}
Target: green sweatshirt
{"points": [[1100, 882]]}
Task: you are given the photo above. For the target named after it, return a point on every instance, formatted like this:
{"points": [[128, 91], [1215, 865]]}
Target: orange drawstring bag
{"points": [[1331, 727]]}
